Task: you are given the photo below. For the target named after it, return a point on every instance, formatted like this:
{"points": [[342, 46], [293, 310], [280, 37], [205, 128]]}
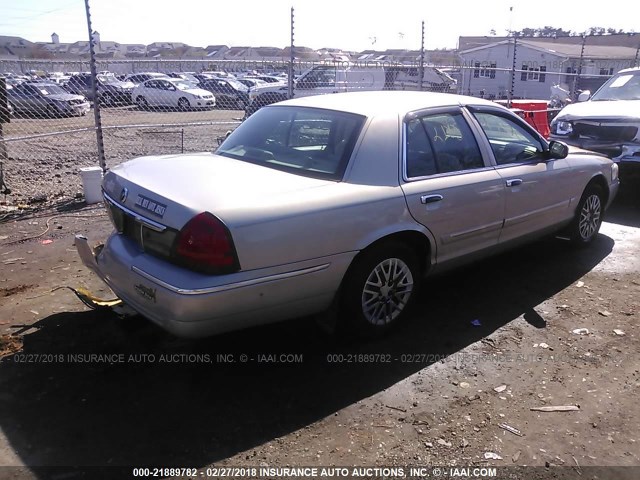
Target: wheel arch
{"points": [[599, 181], [416, 240]]}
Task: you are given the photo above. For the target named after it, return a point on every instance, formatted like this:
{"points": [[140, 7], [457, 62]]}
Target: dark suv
{"points": [[111, 91], [229, 93]]}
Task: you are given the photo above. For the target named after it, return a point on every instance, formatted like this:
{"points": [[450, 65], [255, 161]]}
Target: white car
{"points": [[607, 122], [171, 92]]}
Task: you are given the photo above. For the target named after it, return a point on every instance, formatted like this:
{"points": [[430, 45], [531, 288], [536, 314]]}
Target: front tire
{"points": [[379, 289], [589, 214]]}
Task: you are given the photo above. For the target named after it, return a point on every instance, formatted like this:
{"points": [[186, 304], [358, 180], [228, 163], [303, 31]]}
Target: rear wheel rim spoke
{"points": [[386, 291], [590, 217]]}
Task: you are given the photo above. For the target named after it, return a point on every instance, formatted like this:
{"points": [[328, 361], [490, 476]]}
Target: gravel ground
{"points": [[46, 169]]}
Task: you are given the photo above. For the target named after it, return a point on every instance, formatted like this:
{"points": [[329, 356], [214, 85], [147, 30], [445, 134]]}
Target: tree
{"points": [[553, 32], [596, 31]]}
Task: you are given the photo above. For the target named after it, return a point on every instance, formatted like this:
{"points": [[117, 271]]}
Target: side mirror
{"points": [[558, 150], [584, 96]]}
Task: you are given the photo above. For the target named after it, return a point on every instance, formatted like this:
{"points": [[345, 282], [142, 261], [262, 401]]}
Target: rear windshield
{"points": [[306, 141]]}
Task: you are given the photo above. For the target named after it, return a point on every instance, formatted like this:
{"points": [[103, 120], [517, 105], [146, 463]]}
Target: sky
{"points": [[350, 25]]}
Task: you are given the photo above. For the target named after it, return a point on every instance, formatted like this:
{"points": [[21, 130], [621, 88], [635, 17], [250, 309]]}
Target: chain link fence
{"points": [[151, 106]]}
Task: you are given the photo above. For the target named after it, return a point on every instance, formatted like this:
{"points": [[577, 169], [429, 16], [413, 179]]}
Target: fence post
{"points": [[94, 91], [4, 118], [422, 58], [576, 79], [291, 58], [513, 70]]}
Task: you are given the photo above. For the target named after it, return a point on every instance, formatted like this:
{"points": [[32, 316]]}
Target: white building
{"points": [[487, 70]]}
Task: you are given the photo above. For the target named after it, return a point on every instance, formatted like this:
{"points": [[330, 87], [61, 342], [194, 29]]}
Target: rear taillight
{"points": [[204, 245]]}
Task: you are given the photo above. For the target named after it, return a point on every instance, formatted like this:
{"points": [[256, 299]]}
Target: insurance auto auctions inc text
{"points": [[355, 472]]}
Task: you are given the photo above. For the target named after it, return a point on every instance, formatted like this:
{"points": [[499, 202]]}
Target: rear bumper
{"points": [[192, 305]]}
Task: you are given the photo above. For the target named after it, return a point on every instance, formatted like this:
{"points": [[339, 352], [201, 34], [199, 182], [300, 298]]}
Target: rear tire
{"points": [[107, 100], [183, 104], [379, 289], [142, 102], [589, 214]]}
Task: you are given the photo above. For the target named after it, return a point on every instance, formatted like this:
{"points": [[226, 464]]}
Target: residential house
{"points": [[487, 69]]}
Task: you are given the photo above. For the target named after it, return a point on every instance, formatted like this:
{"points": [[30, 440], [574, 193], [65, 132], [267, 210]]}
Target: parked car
{"points": [[267, 78], [607, 121], [343, 200], [111, 90], [187, 77], [46, 99], [171, 92], [252, 82], [138, 78], [228, 92]]}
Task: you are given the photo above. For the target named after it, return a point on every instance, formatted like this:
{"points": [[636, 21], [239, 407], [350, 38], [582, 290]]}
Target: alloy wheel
{"points": [[386, 291]]}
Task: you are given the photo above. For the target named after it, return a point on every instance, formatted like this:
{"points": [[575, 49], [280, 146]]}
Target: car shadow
{"points": [[625, 209], [147, 398]]}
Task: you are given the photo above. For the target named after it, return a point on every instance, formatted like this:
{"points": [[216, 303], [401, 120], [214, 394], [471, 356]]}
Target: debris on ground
{"points": [[9, 344], [581, 331], [556, 408], [511, 429], [492, 456]]}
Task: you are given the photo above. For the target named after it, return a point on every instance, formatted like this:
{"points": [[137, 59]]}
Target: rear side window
{"points": [[306, 141], [441, 143]]}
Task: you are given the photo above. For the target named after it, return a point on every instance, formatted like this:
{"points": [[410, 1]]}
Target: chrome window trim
{"points": [[439, 111], [229, 286]]}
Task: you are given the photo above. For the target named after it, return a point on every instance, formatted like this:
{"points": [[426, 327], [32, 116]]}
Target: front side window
{"points": [[306, 141], [510, 142], [440, 143]]}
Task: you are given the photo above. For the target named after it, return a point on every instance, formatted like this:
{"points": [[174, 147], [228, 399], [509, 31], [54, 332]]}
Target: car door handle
{"points": [[514, 182], [424, 199]]}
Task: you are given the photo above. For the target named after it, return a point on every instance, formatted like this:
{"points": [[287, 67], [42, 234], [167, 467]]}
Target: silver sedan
{"points": [[341, 202]]}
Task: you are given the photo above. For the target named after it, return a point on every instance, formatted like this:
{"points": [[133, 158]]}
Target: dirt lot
{"points": [[455, 386], [45, 169]]}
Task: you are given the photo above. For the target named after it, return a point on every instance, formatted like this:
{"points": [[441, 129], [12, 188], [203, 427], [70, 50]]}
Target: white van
{"points": [[347, 77]]}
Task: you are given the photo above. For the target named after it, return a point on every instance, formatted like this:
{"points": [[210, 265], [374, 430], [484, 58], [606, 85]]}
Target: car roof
{"points": [[41, 84], [381, 102], [629, 70]]}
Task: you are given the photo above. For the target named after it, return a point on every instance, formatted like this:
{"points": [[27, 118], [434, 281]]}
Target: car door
{"points": [[34, 100], [152, 92], [170, 94], [215, 87], [19, 97], [449, 184], [537, 187]]}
